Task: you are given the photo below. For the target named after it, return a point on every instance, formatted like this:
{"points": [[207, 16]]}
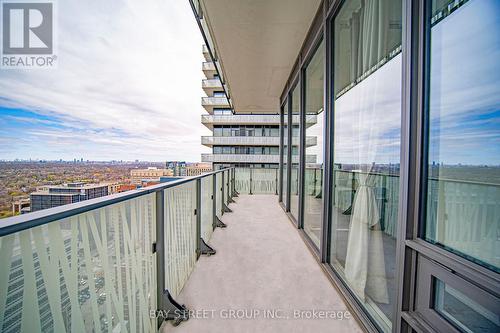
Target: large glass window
{"points": [[463, 185], [313, 191], [367, 120], [465, 314], [294, 176], [285, 154]]}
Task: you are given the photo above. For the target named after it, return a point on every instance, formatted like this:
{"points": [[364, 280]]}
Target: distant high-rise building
{"points": [[178, 168]]}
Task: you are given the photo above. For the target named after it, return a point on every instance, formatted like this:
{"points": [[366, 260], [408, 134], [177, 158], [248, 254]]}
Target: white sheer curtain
{"points": [[365, 264]]}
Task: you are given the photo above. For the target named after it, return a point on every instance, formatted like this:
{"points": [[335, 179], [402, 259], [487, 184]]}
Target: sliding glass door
{"points": [[314, 163], [367, 73]]}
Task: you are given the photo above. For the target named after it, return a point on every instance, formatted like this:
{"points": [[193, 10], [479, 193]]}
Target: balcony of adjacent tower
{"points": [[211, 141], [211, 85], [209, 103], [250, 119]]}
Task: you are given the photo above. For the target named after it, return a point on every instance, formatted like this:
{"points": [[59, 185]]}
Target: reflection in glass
{"points": [[313, 194], [285, 154], [294, 177], [367, 120], [462, 312], [463, 187]]}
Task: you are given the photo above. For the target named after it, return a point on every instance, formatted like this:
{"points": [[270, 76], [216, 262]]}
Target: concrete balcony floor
{"points": [[262, 263]]}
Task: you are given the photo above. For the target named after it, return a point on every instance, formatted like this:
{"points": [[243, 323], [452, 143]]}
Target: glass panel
{"points": [[264, 180], [218, 195], [63, 276], [294, 177], [367, 120], [462, 312], [285, 153], [207, 209], [180, 235], [313, 194], [463, 186], [242, 182]]}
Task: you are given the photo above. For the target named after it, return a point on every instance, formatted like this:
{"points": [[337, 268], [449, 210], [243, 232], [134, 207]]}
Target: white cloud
{"points": [[129, 68]]}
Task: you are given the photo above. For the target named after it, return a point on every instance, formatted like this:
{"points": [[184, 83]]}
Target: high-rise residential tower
{"points": [[250, 139]]}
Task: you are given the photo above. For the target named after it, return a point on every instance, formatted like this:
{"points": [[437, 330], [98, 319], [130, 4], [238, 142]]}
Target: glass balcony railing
{"points": [[208, 66], [215, 101], [457, 194], [211, 84], [107, 264], [256, 180], [251, 119], [240, 140]]}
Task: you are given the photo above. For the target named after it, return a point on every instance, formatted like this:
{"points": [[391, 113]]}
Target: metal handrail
{"points": [[27, 221]]}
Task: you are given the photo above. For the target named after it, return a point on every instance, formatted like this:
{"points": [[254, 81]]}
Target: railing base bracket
{"points": [[206, 249], [173, 311], [226, 209], [219, 223]]}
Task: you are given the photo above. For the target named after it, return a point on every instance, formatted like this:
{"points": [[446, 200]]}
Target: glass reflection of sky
{"points": [[465, 86], [368, 118]]}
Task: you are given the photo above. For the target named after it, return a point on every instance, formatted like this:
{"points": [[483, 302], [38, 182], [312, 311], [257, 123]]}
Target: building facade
{"points": [[149, 174], [196, 169], [53, 196], [402, 205], [242, 140]]}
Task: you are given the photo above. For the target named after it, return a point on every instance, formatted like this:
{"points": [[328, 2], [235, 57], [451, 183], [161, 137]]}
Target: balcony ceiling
{"points": [[257, 44]]}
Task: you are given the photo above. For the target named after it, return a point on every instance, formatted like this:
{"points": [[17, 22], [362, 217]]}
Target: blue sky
{"points": [[127, 86], [465, 86]]}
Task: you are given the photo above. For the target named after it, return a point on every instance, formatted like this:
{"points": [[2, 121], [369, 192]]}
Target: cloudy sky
{"points": [[127, 86]]}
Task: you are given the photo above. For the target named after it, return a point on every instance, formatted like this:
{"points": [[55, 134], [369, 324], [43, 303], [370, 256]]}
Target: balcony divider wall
{"points": [[429, 281]]}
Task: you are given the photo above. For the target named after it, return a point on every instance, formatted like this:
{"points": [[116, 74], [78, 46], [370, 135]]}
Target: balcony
{"points": [[248, 158], [209, 103], [211, 85], [239, 158], [206, 54], [210, 141], [208, 68], [108, 264], [250, 119]]}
